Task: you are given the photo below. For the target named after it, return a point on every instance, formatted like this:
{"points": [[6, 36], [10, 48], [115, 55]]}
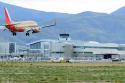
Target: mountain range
{"points": [[86, 26]]}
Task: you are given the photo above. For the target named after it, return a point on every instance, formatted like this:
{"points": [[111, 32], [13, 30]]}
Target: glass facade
{"points": [[101, 47], [82, 47], [12, 48], [46, 46], [35, 46], [46, 51]]}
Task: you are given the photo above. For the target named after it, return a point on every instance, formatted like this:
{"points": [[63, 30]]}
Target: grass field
{"points": [[38, 72]]}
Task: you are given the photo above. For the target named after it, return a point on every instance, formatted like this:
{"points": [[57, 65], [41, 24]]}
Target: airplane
{"points": [[22, 26]]}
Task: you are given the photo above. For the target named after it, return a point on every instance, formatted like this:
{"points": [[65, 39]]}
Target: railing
{"points": [[49, 59]]}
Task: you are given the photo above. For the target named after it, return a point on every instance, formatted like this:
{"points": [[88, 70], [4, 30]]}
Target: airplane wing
{"points": [[50, 25]]}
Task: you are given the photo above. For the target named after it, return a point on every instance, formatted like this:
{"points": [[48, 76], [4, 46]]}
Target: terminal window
{"points": [[12, 48], [35, 45]]}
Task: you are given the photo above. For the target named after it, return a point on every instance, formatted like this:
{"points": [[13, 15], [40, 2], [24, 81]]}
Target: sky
{"points": [[70, 6]]}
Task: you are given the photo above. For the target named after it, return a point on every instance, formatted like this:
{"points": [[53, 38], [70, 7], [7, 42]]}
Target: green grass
{"points": [[38, 72]]}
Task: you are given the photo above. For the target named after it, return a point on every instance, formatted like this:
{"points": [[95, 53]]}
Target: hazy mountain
{"points": [[120, 11], [91, 14], [83, 26]]}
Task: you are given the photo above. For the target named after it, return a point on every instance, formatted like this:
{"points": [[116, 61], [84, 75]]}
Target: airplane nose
{"points": [[39, 29], [36, 30]]}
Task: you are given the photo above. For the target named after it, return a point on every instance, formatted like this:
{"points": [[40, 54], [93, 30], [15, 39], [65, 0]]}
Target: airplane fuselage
{"points": [[23, 26]]}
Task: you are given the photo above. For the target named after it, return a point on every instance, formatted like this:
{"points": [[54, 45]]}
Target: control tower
{"points": [[64, 36]]}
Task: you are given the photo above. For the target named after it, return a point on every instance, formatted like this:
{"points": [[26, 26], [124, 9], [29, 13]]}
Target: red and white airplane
{"points": [[22, 26]]}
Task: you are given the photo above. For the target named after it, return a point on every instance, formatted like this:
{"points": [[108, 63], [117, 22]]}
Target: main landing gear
{"points": [[27, 34], [13, 33]]}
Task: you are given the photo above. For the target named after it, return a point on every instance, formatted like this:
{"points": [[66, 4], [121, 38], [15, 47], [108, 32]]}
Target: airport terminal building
{"points": [[67, 48]]}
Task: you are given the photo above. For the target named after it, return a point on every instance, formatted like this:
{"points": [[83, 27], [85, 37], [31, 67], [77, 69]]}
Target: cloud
{"points": [[70, 6]]}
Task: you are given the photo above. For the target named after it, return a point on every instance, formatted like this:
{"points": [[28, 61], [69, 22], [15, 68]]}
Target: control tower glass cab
{"points": [[64, 36]]}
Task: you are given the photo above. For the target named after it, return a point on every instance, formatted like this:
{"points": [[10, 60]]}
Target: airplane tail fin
{"points": [[7, 16]]}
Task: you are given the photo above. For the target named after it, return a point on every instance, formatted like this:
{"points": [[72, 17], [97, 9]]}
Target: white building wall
{"points": [[101, 51], [4, 48]]}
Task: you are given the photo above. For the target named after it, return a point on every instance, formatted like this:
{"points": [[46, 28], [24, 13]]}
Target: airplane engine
{"points": [[36, 30]]}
